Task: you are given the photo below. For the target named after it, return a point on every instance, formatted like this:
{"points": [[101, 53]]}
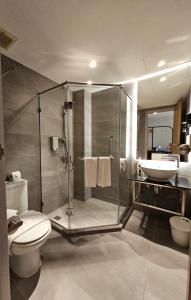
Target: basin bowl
{"points": [[159, 170]]}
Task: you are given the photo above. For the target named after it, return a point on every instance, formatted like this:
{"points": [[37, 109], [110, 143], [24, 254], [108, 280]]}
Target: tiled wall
{"points": [[105, 123], [82, 145], [20, 87]]}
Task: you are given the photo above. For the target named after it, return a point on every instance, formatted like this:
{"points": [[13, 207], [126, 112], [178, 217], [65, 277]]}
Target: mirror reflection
{"points": [[164, 112]]}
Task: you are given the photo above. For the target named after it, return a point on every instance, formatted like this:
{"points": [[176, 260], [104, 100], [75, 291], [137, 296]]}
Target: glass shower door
{"points": [[54, 149], [94, 127]]}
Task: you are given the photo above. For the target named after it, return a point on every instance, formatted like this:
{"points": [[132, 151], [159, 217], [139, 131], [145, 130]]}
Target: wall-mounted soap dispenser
{"points": [[54, 143]]}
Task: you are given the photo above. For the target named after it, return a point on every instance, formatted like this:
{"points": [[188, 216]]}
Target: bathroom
{"points": [[81, 158]]}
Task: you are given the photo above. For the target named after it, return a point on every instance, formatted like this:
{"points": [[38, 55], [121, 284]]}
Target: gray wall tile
{"points": [[20, 87]]}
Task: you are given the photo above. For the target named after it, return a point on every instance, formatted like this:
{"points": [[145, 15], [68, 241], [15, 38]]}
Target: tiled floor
{"points": [[116, 266], [153, 227], [91, 213]]}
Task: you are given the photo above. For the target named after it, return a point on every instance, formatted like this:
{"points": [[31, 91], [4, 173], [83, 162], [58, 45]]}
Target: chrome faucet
{"points": [[173, 157], [177, 158]]}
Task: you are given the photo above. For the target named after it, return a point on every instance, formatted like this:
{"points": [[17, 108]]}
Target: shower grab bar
{"points": [[110, 149]]}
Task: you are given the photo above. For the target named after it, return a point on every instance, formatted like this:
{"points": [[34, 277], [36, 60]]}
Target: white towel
{"points": [[30, 219], [13, 223], [90, 170], [104, 171]]}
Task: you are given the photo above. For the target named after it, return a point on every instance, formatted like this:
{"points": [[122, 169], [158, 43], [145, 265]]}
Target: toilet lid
{"points": [[34, 234]]}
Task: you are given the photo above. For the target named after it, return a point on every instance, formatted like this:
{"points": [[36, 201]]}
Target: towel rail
{"points": [[110, 149], [82, 158]]}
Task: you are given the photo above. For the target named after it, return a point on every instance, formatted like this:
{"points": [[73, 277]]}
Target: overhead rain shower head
{"points": [[64, 109]]}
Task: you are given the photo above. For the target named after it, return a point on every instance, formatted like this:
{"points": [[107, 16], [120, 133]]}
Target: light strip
{"points": [[128, 129], [134, 122], [158, 73], [131, 122]]}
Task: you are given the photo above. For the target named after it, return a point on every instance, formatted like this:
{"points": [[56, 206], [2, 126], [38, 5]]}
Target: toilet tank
{"points": [[17, 195]]}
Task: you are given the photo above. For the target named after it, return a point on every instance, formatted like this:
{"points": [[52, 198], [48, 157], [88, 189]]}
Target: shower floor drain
{"points": [[57, 218]]}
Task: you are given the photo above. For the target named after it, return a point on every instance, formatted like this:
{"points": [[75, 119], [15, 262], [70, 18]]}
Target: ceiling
{"points": [[161, 115], [154, 93], [127, 38]]}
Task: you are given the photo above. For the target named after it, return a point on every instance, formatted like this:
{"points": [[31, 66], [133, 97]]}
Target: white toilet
{"points": [[24, 249]]}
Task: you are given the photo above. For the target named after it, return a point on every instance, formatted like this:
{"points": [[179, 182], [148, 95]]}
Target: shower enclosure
{"points": [[80, 121]]}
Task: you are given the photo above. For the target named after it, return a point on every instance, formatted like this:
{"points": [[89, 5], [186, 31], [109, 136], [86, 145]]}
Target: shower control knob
{"points": [[64, 157]]}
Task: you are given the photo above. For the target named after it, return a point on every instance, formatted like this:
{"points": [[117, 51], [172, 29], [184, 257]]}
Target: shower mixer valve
{"points": [[65, 158]]}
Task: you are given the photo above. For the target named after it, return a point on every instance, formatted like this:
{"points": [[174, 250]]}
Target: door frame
{"points": [[4, 255]]}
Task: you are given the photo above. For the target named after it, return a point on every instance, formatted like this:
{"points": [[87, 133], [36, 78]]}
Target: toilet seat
{"points": [[34, 234]]}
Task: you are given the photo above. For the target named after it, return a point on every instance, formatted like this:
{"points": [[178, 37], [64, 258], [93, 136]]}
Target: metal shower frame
{"points": [[91, 230]]}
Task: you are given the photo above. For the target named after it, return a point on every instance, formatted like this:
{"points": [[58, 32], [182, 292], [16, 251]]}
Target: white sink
{"points": [[159, 170]]}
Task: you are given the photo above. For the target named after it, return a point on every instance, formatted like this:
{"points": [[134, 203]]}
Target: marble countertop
{"points": [[179, 182]]}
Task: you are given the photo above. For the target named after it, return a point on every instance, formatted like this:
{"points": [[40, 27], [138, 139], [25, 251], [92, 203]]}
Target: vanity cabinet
{"points": [[178, 185]]}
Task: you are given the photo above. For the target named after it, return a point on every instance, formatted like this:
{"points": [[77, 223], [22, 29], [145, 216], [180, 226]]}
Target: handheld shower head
{"points": [[64, 109]]}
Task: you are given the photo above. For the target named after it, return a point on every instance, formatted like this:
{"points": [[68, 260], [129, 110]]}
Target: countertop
{"points": [[176, 182]]}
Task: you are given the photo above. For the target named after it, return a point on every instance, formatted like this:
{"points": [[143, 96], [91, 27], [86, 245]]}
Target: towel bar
{"points": [[110, 149], [82, 158]]}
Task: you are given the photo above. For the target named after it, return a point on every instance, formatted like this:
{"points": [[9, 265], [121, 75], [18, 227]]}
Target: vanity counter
{"points": [[179, 183]]}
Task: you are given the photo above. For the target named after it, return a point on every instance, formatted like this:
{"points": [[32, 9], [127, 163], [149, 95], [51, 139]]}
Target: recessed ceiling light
{"points": [[161, 63], [89, 82], [155, 113], [92, 64], [162, 79]]}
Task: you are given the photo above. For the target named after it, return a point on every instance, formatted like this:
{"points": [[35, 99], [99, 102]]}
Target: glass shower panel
{"points": [[94, 126], [85, 141], [54, 155], [125, 153]]}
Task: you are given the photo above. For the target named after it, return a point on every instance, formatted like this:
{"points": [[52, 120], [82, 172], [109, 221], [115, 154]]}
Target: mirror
{"points": [[164, 107]]}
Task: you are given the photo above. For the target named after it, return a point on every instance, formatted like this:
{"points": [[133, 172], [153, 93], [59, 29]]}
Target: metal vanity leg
{"points": [[134, 191], [139, 189], [135, 197], [183, 202]]}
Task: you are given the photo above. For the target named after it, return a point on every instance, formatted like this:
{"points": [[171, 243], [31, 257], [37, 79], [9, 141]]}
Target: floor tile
{"points": [[165, 284], [123, 265]]}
